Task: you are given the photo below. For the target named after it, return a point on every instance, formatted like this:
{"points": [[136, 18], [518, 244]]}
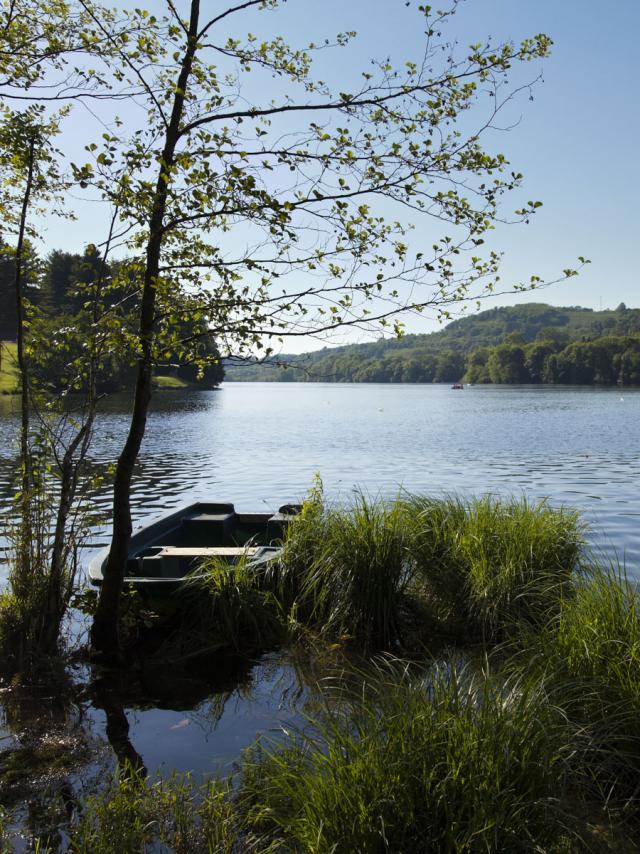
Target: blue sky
{"points": [[577, 142]]}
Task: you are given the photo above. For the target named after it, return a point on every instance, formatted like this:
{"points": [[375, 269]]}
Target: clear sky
{"points": [[577, 142]]}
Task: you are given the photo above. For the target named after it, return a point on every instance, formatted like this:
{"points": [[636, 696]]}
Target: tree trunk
{"points": [[104, 631]]}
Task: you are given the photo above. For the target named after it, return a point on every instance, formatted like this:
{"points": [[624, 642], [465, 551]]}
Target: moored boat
{"points": [[163, 552]]}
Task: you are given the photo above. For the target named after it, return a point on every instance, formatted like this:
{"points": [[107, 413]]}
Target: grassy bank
{"points": [[8, 368], [489, 697], [9, 373]]}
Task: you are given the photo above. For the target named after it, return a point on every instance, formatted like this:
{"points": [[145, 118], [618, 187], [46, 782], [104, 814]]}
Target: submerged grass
{"points": [[133, 815]]}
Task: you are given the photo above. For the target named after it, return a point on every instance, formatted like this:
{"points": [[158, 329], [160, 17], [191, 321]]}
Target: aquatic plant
{"points": [[221, 607], [457, 760], [134, 815], [345, 571], [475, 568], [487, 565], [589, 656]]}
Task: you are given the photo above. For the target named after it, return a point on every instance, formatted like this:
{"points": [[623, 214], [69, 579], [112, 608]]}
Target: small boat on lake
{"points": [[163, 552], [457, 386]]}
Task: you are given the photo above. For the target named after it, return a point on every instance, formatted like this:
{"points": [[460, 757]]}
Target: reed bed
{"points": [[478, 568], [344, 571], [487, 565], [457, 760]]}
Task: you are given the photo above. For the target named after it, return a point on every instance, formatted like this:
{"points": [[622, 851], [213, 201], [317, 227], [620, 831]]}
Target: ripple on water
{"points": [[260, 444]]}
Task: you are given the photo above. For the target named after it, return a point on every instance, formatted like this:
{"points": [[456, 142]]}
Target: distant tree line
{"points": [[531, 343], [608, 360], [57, 288]]}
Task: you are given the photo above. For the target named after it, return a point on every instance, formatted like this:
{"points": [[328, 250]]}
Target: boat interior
{"points": [[173, 547]]}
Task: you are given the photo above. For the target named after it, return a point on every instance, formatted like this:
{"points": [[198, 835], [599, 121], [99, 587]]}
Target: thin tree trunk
{"points": [[57, 597], [104, 631], [25, 457], [70, 470]]}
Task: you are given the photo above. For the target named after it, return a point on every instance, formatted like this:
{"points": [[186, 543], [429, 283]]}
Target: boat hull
{"points": [[164, 552]]}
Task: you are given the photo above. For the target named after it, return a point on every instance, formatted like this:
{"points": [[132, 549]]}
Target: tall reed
{"points": [[459, 761], [488, 565], [345, 571]]}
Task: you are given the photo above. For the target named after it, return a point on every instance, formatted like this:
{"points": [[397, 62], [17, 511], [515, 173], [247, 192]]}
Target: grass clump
{"points": [[459, 761], [488, 565], [133, 815], [590, 654], [220, 608], [476, 569], [345, 571]]}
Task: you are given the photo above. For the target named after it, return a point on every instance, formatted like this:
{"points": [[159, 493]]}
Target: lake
{"points": [[259, 445]]}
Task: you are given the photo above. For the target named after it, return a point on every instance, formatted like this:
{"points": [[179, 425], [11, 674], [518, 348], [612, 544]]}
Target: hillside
{"points": [[441, 356]]}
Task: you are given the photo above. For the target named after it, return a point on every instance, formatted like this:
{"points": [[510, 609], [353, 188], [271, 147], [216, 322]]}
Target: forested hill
{"points": [[464, 346]]}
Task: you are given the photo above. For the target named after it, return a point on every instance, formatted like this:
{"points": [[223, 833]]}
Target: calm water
{"points": [[259, 446]]}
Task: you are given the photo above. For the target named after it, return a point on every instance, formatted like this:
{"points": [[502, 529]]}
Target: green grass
{"points": [[222, 608], [523, 736], [589, 655], [132, 815], [472, 569], [344, 571], [166, 383], [487, 565], [455, 761], [8, 370]]}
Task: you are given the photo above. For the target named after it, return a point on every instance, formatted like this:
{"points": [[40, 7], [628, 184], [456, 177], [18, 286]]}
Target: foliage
{"points": [[457, 760], [28, 613], [589, 655], [464, 348], [344, 571], [8, 368], [480, 568], [134, 815], [490, 565], [221, 607]]}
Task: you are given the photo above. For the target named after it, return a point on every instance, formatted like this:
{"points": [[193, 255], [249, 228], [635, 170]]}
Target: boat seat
{"points": [[177, 561], [208, 529]]}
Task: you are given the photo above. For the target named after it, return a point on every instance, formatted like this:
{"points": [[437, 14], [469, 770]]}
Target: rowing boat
{"points": [[163, 552]]}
